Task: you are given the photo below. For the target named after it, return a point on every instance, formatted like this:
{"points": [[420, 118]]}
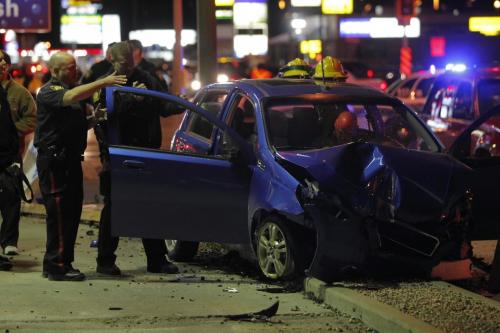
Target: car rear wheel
{"points": [[278, 251], [181, 250]]}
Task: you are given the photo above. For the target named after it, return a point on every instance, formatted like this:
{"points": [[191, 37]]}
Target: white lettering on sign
{"points": [[9, 9]]}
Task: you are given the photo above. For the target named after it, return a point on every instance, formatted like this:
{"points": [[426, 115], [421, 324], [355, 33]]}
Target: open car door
{"points": [[479, 147], [162, 194]]}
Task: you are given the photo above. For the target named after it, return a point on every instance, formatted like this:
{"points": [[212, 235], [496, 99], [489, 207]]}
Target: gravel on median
{"points": [[441, 306]]}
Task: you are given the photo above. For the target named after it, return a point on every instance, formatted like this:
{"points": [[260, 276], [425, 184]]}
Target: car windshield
{"points": [[488, 92], [303, 125]]}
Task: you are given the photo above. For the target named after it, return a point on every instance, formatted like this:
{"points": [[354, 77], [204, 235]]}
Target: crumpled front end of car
{"points": [[380, 210]]}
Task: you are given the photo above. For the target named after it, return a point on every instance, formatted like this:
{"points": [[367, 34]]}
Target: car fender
{"points": [[273, 190]]}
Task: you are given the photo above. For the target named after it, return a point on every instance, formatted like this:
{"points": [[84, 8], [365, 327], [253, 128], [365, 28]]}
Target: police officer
{"points": [[61, 139], [23, 112], [139, 122], [295, 69]]}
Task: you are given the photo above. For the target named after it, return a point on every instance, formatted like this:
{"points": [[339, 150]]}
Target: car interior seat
{"points": [[278, 128], [244, 122], [303, 129]]}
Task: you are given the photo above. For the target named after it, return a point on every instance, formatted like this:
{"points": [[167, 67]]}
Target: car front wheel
{"points": [[277, 249], [181, 250]]}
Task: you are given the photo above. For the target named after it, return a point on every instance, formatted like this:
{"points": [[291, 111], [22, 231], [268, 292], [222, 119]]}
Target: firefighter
{"points": [[329, 70], [61, 139], [295, 69]]}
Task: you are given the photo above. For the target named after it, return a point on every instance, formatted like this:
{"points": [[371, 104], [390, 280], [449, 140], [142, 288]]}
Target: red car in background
{"points": [[459, 98]]}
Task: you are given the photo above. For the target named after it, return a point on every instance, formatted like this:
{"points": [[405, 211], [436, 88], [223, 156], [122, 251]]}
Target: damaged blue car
{"points": [[327, 180]]}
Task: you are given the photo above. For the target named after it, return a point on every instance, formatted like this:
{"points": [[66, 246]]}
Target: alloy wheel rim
{"points": [[272, 251]]}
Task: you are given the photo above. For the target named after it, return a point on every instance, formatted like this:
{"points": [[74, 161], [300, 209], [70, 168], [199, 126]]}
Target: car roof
{"points": [[278, 87]]}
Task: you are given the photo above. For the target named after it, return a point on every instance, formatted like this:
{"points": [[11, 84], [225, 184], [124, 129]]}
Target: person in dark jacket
{"points": [[98, 69], [23, 111], [61, 139], [9, 159], [139, 126], [139, 60]]}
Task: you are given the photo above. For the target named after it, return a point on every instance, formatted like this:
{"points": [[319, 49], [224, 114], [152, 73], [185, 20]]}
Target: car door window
{"points": [[142, 120], [241, 118], [462, 101], [485, 139], [145, 121], [423, 87], [405, 89], [199, 126]]}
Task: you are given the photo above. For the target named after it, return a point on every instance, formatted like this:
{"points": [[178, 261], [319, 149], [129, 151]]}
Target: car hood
{"points": [[387, 183]]}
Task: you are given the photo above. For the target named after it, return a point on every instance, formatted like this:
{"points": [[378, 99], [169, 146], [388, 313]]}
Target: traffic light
{"points": [[405, 10]]}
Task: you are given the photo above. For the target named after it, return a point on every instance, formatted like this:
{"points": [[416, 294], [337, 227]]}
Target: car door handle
{"points": [[132, 164]]}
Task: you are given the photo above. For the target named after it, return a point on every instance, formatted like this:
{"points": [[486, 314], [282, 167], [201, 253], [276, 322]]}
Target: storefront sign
{"points": [[25, 15]]}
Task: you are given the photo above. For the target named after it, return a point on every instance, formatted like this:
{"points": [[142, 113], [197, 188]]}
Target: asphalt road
{"points": [[197, 300]]}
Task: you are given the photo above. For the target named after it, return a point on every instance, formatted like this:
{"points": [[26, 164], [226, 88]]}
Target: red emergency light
{"points": [[438, 46]]}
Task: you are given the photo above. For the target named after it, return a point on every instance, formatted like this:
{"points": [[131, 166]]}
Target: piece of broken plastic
{"points": [[230, 290]]}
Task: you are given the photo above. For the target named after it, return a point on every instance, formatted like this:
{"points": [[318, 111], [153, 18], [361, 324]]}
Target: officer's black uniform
{"points": [[61, 139], [10, 205], [140, 129]]}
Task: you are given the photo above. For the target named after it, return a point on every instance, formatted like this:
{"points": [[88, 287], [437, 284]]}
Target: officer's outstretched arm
{"points": [[86, 90]]}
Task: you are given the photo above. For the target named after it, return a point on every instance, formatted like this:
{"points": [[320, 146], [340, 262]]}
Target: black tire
{"points": [[181, 250], [285, 258]]}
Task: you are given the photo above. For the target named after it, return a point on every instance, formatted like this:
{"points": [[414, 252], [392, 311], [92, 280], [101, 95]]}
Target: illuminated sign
{"points": [[250, 25], [336, 7], [111, 31], [311, 47], [163, 37], [250, 44], [384, 27], [438, 46], [486, 25], [81, 22], [223, 14], [81, 29], [224, 3], [25, 15], [249, 14], [306, 3]]}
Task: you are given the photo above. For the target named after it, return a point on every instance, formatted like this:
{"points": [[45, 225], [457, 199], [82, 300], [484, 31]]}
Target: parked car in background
{"points": [[458, 98], [413, 90], [264, 163], [359, 73]]}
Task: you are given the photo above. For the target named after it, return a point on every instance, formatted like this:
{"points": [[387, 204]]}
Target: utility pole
{"points": [[178, 77], [207, 41]]}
